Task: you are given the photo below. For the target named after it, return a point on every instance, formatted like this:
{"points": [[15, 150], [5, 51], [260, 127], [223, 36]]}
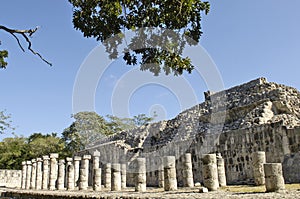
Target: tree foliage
{"points": [[155, 50], [17, 149]]}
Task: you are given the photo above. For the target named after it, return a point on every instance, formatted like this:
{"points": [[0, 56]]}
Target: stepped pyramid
{"points": [[257, 115]]}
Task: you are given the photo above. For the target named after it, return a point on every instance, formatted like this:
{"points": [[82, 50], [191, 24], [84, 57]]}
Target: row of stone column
{"points": [[268, 174], [49, 173]]}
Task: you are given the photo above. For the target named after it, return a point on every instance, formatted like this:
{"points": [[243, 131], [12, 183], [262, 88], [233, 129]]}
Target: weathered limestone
{"points": [[83, 180], [188, 180], [33, 174], [96, 161], [61, 175], [77, 160], [161, 176], [123, 175], [24, 168], [45, 180], [69, 161], [258, 161], [115, 177], [170, 181], [39, 177], [210, 172], [140, 175], [53, 171], [274, 181], [107, 175], [221, 171], [97, 179], [70, 171], [84, 172], [28, 174]]}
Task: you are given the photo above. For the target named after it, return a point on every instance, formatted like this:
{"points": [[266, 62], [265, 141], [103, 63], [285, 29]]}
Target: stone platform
{"points": [[129, 193]]}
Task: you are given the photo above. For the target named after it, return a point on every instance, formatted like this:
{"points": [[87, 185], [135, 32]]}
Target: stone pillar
{"points": [[24, 170], [210, 172], [97, 179], [188, 180], [28, 174], [123, 175], [115, 177], [77, 160], [70, 171], [107, 175], [96, 160], [84, 172], [161, 175], [258, 160], [140, 174], [61, 175], [39, 177], [68, 163], [83, 180], [53, 171], [33, 174], [274, 181], [170, 181], [221, 171], [45, 180]]}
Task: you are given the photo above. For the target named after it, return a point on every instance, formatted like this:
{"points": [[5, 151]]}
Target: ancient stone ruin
{"points": [[248, 134], [255, 116]]}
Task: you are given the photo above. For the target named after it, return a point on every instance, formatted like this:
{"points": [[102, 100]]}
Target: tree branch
{"points": [[26, 34]]}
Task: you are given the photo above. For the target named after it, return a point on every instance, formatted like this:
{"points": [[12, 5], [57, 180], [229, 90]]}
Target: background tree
{"points": [[87, 128], [39, 145], [156, 50], [25, 34], [5, 122], [13, 151]]}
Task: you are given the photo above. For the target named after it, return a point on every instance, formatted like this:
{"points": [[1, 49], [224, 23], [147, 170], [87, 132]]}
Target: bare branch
{"points": [[25, 34]]}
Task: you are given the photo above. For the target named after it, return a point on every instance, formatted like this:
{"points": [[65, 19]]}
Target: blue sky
{"points": [[245, 39]]}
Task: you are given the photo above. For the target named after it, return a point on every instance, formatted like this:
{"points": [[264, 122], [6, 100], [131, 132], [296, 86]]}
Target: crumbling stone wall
{"points": [[10, 178]]}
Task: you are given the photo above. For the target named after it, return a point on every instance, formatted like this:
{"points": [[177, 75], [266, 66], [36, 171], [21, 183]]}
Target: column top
{"points": [[61, 161], [24, 163], [53, 155], [96, 153], [76, 158], [39, 159], [46, 157], [87, 157], [28, 162], [68, 159], [33, 160]]}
